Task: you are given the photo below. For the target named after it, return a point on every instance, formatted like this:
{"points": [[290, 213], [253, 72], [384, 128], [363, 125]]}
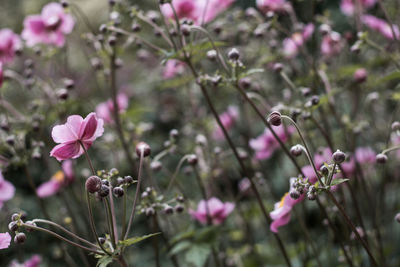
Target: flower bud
{"points": [[143, 149], [120, 181], [69, 84], [295, 194], [62, 93], [338, 157], [10, 140], [156, 166], [192, 159], [296, 150], [150, 212], [277, 67], [20, 238], [174, 133], [104, 191], [64, 3], [13, 226], [180, 199], [168, 209], [396, 126], [128, 179], [179, 208], [360, 75], [324, 170], [102, 240], [275, 118], [112, 40], [245, 83], [306, 91], [118, 191], [93, 184], [233, 54], [144, 194], [311, 196], [397, 217], [136, 27], [212, 55], [185, 30], [314, 100], [15, 217], [381, 158]]}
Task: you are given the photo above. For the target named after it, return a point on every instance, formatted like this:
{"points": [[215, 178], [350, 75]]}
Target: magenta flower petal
{"points": [[216, 209], [7, 190], [66, 151], [88, 127], [5, 240], [48, 188], [68, 169], [34, 261]]}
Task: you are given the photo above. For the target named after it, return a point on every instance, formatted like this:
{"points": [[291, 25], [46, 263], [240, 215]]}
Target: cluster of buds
{"points": [[17, 220], [299, 187], [153, 202]]}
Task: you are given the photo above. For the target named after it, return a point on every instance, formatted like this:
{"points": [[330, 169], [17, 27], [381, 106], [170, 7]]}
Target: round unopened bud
{"points": [[179, 208], [360, 75], [192, 159], [275, 118], [104, 191], [295, 194], [306, 91], [4, 126], [150, 212], [10, 140], [136, 27], [102, 240], [396, 126], [118, 191], [174, 133], [397, 217], [111, 2], [338, 157], [145, 194], [93, 184], [324, 170], [143, 148], [112, 40], [168, 209], [64, 3], [314, 100], [180, 199], [381, 158], [23, 215], [120, 181], [62, 93], [103, 28], [69, 84], [13, 226], [128, 179], [156, 165], [311, 196], [233, 54], [20, 238], [277, 67], [105, 182], [212, 55], [185, 30], [15, 217], [245, 83], [296, 150]]}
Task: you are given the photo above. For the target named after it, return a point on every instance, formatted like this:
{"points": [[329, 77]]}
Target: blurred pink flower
{"points": [[75, 132], [218, 211], [272, 5], [348, 7], [244, 185], [281, 214], [1, 74], [9, 43], [228, 119], [380, 26], [200, 11], [34, 261], [266, 144], [365, 155], [172, 68], [105, 110], [7, 190], [50, 27], [331, 44], [57, 181], [292, 45], [360, 75], [5, 240]]}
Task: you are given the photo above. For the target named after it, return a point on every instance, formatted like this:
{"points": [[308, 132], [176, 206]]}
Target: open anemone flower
{"points": [[105, 110], [199, 11], [74, 134], [214, 209], [50, 27], [9, 44], [381, 26], [282, 210], [57, 181], [7, 190], [5, 240]]}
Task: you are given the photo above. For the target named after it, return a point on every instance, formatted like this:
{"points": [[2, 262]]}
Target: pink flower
{"points": [[331, 44], [266, 144], [34, 261], [5, 240], [365, 155], [360, 75], [272, 5], [380, 26], [348, 7], [228, 119], [213, 208], [1, 74], [50, 27], [105, 110], [7, 190], [281, 214], [57, 181], [292, 45], [9, 43], [75, 133], [172, 68], [200, 11]]}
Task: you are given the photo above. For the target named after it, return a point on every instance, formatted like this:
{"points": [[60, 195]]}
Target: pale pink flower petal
{"points": [[48, 188], [7, 190], [5, 240]]}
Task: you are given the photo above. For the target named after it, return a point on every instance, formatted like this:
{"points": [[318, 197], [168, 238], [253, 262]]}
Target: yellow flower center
{"points": [[283, 200], [58, 176]]}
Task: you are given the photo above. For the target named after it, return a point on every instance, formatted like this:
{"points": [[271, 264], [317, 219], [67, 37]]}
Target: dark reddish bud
{"points": [[324, 170], [233, 54], [128, 179], [10, 140], [212, 55], [136, 27], [397, 217], [20, 238], [69, 84], [180, 199], [64, 3], [185, 30], [62, 93], [143, 149], [381, 158], [150, 212], [296, 150], [294, 194], [277, 67], [102, 240], [179, 208], [396, 126], [338, 157], [93, 184], [13, 226], [168, 210], [306, 91], [15, 217], [104, 191], [314, 100], [360, 75], [192, 159], [118, 191], [112, 40], [174, 133], [275, 118], [120, 181], [245, 83]]}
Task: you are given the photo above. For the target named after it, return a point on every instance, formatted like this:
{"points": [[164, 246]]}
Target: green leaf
{"points": [[392, 76], [251, 71], [104, 261], [339, 181], [134, 240], [181, 246], [197, 255]]}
